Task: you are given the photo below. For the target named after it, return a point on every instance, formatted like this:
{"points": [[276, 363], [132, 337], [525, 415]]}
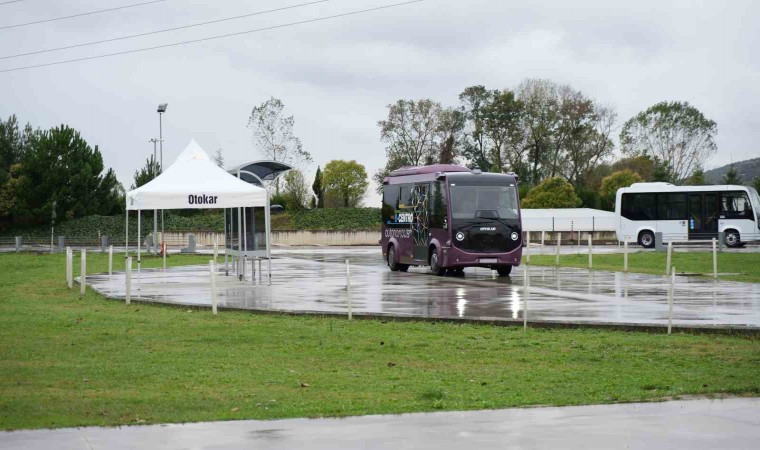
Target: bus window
{"points": [[438, 211], [405, 196], [639, 207], [672, 207], [735, 205], [390, 201]]}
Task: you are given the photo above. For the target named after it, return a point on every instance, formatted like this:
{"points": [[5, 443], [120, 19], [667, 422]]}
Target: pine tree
{"points": [[318, 189], [731, 177]]}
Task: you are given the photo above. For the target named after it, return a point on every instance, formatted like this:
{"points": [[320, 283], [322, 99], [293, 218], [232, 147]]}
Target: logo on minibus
{"points": [[405, 217]]}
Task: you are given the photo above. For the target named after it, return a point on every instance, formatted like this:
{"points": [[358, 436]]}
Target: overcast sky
{"points": [[337, 76]]}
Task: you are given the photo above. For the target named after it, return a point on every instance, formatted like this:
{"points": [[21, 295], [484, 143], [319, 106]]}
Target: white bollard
{"points": [[128, 274], [669, 258], [671, 293], [590, 254], [625, 256], [69, 267], [543, 234], [715, 259], [110, 260], [216, 251], [163, 250], [212, 268], [348, 289], [527, 248], [525, 299], [83, 273], [559, 242]]}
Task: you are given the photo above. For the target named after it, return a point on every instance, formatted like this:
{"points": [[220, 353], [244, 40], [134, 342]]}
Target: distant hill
{"points": [[747, 171]]}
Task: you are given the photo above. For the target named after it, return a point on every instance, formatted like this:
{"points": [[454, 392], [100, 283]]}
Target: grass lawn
{"points": [[736, 266], [71, 361]]}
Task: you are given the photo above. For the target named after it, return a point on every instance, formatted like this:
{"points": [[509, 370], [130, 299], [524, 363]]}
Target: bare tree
{"points": [[675, 133], [273, 135], [410, 132], [219, 158]]}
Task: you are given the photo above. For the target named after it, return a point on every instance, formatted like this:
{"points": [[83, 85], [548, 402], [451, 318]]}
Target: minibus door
{"points": [[421, 223], [703, 216]]}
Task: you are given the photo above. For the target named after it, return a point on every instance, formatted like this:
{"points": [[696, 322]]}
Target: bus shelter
{"points": [[247, 230], [194, 181]]}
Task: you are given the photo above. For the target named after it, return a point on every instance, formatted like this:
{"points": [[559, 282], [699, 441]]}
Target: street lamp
{"points": [[161, 110], [155, 212]]}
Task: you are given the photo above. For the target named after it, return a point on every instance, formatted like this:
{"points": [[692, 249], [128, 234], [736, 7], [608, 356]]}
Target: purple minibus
{"points": [[450, 217]]}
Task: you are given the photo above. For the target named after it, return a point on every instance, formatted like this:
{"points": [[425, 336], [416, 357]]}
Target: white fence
{"points": [[574, 219]]}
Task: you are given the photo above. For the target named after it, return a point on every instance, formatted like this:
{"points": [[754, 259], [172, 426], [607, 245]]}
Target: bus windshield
{"points": [[483, 202]]}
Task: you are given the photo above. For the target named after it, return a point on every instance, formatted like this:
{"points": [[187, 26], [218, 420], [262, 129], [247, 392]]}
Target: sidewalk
{"points": [[692, 424]]}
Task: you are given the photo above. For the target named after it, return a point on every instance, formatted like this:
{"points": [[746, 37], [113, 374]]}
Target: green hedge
{"points": [[318, 219], [337, 219]]}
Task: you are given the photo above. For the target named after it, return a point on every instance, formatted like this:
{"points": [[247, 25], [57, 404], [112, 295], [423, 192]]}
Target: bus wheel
{"points": [[646, 239], [504, 271], [434, 265], [392, 264], [732, 238]]}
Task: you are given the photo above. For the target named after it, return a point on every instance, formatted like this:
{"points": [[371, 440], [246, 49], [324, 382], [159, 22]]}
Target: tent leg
{"points": [[268, 231], [139, 244], [224, 235], [126, 237], [240, 272]]}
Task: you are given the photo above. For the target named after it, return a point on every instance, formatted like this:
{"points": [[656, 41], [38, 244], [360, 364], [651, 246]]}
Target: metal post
{"points": [[128, 296], [212, 268], [669, 258], [526, 293], [348, 288], [721, 241], [126, 236], [216, 250], [161, 144], [226, 245], [110, 260], [559, 242], [715, 258], [543, 233], [671, 293], [69, 267], [590, 254], [139, 246], [527, 247], [625, 256], [18, 244], [83, 273]]}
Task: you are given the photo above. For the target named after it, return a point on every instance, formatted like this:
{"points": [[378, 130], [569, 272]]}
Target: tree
{"points": [[675, 133], [582, 139], [59, 168], [219, 158], [731, 177], [642, 165], [756, 183], [475, 99], [451, 123], [345, 182], [410, 133], [273, 135], [151, 170], [541, 106], [501, 122], [697, 178], [615, 181], [318, 190], [553, 192], [296, 191]]}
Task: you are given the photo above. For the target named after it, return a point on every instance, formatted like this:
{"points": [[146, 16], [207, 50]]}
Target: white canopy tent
{"points": [[194, 181]]}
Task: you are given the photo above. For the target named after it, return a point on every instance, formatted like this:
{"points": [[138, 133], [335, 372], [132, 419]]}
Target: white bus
{"points": [[687, 213]]}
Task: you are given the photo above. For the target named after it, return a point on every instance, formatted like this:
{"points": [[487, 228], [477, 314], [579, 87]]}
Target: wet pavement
{"points": [[694, 424], [314, 281]]}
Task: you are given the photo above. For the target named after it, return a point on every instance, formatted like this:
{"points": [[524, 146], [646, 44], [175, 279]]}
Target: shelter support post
{"points": [[139, 245], [128, 278], [83, 274], [226, 245], [268, 230], [212, 268]]}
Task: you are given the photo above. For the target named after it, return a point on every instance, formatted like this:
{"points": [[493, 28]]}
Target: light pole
{"points": [[155, 211], [161, 110]]}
